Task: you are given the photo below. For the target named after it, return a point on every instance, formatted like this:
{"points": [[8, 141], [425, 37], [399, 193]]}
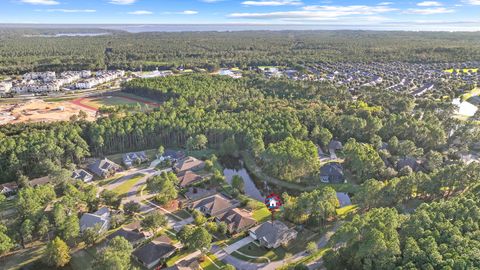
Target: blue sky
{"points": [[360, 14]]}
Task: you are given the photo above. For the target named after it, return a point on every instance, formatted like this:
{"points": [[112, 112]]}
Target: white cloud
{"points": [[429, 11], [386, 3], [429, 4], [122, 2], [41, 2], [189, 12], [140, 12], [472, 2], [273, 3], [72, 10], [185, 12], [317, 12]]}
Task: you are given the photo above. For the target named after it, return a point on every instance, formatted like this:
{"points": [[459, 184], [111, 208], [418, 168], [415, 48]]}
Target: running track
{"points": [[79, 102]]}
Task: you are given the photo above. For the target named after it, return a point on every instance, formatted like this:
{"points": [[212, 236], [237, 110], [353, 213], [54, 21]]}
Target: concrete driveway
{"points": [[239, 244]]}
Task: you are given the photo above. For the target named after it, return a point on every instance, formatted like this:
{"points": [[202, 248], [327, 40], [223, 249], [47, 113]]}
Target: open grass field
{"points": [[465, 70], [117, 99]]}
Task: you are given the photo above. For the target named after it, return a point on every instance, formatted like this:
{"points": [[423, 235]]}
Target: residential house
{"points": [[237, 220], [332, 172], [411, 162], [214, 205], [132, 232], [155, 252], [82, 175], [40, 181], [191, 264], [196, 193], [343, 199], [187, 178], [101, 217], [8, 189], [172, 155], [104, 168], [188, 164], [272, 234], [335, 146], [130, 159]]}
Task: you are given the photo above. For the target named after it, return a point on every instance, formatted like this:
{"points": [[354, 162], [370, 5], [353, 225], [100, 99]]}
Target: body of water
{"points": [[71, 35], [235, 167]]}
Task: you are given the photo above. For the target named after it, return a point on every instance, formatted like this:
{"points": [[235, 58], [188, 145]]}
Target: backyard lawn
{"points": [[261, 215]]}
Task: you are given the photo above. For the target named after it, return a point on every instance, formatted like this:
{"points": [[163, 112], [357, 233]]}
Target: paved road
{"points": [[242, 265], [318, 264]]}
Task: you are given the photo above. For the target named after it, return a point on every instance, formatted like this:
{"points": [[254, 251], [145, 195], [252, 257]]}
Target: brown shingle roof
{"points": [[187, 178], [188, 163], [238, 220], [214, 205]]}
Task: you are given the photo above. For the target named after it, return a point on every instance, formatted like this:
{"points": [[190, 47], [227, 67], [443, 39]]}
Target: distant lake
{"points": [[71, 35]]}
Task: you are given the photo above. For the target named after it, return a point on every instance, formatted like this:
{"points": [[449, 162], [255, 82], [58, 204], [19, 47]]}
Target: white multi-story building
{"points": [[5, 87], [101, 78], [85, 73], [46, 76]]}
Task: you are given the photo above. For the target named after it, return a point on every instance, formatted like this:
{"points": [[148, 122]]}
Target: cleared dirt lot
{"points": [[41, 111]]}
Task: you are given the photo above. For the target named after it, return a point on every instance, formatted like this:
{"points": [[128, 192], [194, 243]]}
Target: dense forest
{"points": [[418, 205], [26, 50]]}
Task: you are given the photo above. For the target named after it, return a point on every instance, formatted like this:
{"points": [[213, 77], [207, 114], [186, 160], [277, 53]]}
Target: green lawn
{"points": [[22, 258], [127, 185], [261, 215], [344, 211], [83, 259], [255, 251], [6, 204], [465, 70], [310, 258], [473, 93], [182, 213], [209, 265], [178, 256], [117, 158], [300, 243]]}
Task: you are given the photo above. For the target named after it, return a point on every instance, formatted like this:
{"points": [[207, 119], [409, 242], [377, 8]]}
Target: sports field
{"points": [[94, 103]]}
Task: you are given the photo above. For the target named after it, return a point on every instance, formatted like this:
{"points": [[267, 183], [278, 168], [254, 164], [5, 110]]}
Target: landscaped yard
{"points": [[212, 263], [473, 93], [23, 258], [258, 252], [300, 243], [127, 185], [261, 215], [117, 158], [182, 214], [344, 211], [83, 259], [178, 256]]}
